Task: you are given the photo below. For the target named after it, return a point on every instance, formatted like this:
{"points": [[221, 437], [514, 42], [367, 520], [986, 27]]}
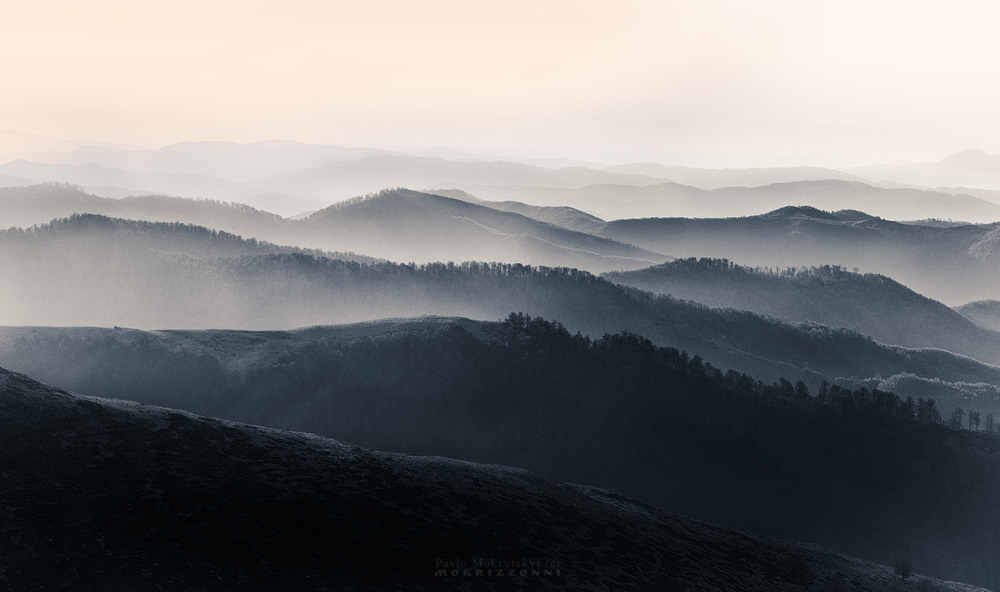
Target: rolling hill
{"points": [[404, 225], [951, 264], [871, 304], [102, 493], [563, 216], [852, 470], [615, 201], [113, 182], [92, 270], [397, 224]]}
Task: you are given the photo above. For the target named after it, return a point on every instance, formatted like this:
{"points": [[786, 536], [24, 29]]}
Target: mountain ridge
{"points": [[871, 304], [669, 420]]}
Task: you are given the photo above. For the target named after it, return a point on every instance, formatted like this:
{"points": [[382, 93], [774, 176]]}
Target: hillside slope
{"points": [[100, 493], [616, 413], [404, 225], [91, 270], [676, 200], [951, 264], [871, 304], [397, 224]]}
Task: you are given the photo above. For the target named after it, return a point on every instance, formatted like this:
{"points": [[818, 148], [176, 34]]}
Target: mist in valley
{"points": [[639, 296]]}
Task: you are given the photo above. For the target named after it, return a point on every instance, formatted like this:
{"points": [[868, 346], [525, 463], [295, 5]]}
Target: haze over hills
{"points": [[871, 304], [563, 216], [615, 412], [113, 183], [399, 224], [405, 225], [731, 177], [952, 264], [14, 141], [91, 270], [290, 177], [985, 313], [39, 204], [949, 262], [969, 167], [854, 467], [676, 200], [225, 160], [376, 172]]}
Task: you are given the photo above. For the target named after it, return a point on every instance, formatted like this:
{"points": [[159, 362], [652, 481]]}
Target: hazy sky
{"points": [[711, 82]]}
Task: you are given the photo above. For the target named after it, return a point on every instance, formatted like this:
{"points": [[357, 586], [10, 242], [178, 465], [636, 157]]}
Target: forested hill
{"points": [[397, 224], [830, 295], [952, 264], [91, 270], [152, 498], [865, 472]]}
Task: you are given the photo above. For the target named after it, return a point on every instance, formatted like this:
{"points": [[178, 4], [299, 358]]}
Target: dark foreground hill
{"points": [[864, 472], [100, 494], [830, 295], [91, 270], [954, 264]]}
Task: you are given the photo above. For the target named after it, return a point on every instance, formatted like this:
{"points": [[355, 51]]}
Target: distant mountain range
{"points": [[111, 182], [871, 304], [224, 160], [615, 412], [765, 349], [676, 200], [954, 264], [397, 224], [290, 178], [969, 167], [92, 270]]}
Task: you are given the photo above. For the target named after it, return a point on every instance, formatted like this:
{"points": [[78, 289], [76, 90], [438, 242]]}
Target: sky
{"points": [[698, 82]]}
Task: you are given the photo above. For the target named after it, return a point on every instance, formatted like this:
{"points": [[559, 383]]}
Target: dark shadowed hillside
{"points": [[830, 295], [149, 498], [616, 412], [951, 264]]}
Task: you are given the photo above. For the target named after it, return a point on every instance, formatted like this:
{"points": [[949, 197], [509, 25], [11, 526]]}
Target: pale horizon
{"points": [[720, 83]]}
